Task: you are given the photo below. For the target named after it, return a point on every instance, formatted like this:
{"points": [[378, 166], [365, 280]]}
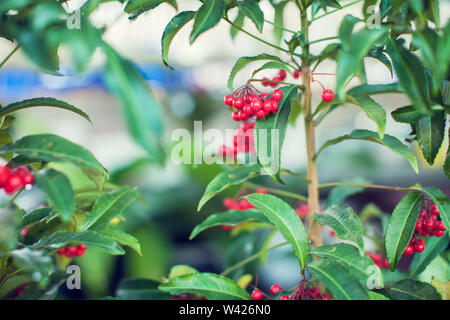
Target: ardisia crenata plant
{"points": [[407, 38]]}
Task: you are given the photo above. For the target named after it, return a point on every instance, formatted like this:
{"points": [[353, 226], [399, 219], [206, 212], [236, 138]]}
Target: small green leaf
{"points": [[278, 20], [35, 216], [280, 214], [41, 102], [407, 114], [344, 222], [401, 226], [430, 134], [59, 192], [433, 247], [252, 10], [388, 141], [207, 17], [226, 179], [89, 238], [180, 270], [340, 193], [340, 282], [238, 21], [374, 111], [229, 218], [172, 28], [122, 237], [212, 286], [408, 289], [370, 89], [272, 65]]}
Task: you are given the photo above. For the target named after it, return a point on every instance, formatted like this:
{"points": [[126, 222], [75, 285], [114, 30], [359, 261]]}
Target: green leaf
{"points": [[272, 65], [35, 216], [142, 112], [285, 220], [122, 237], [407, 114], [229, 218], [401, 226], [410, 73], [270, 133], [108, 206], [238, 21], [207, 17], [59, 192], [374, 111], [181, 270], [337, 280], [377, 296], [408, 289], [441, 201], [172, 28], [278, 20], [212, 286], [370, 89], [340, 193], [140, 289], [388, 141], [89, 238], [349, 257], [344, 222], [34, 262], [430, 134], [226, 179], [242, 62], [49, 147], [433, 247], [138, 5], [41, 102], [447, 159], [252, 10]]}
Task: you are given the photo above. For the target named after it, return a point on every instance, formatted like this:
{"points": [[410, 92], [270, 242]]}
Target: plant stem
{"points": [[9, 55], [280, 82], [313, 181], [333, 11], [251, 258], [259, 39], [366, 186], [324, 39], [277, 191], [278, 26]]}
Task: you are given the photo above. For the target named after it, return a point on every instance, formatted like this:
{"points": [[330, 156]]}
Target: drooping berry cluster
{"points": [[243, 141], [13, 180], [70, 252], [380, 261], [429, 223], [305, 291], [415, 245], [248, 102]]}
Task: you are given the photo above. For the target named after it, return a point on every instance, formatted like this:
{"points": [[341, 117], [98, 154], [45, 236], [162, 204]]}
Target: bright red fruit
{"points": [[409, 249], [277, 94], [284, 298], [274, 289], [228, 100], [327, 95], [257, 294]]}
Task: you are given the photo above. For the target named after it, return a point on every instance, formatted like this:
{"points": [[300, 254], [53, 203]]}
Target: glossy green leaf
{"points": [[408, 289], [242, 62], [340, 282], [41, 102], [141, 110], [229, 218], [212, 286], [89, 238], [278, 20], [226, 179], [388, 141], [374, 111], [252, 10], [122, 237], [108, 206], [349, 257], [430, 134], [270, 132], [35, 216], [433, 247], [207, 17], [344, 222], [340, 193], [401, 226], [370, 89], [172, 28], [407, 114], [59, 192], [140, 289], [280, 214], [53, 148]]}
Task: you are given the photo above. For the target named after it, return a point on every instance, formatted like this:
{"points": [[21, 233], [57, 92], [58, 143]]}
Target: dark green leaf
{"points": [[369, 89], [238, 21], [35, 216], [413, 290], [278, 20], [207, 17], [252, 10], [35, 262], [430, 134], [140, 289], [433, 247], [374, 111], [122, 237]]}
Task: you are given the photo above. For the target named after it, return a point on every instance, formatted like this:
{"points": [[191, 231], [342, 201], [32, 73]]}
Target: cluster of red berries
{"points": [[281, 76], [274, 289], [415, 245], [305, 291], [380, 261], [249, 102], [243, 141], [428, 224], [70, 252], [13, 180], [302, 210]]}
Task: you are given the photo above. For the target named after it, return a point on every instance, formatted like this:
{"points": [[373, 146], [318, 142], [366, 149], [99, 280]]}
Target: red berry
{"points": [[25, 176], [267, 106], [440, 225], [419, 247], [296, 74], [418, 225], [274, 106], [439, 233], [423, 214], [275, 81], [244, 204], [429, 224], [282, 74], [228, 203], [277, 94], [82, 247], [385, 263], [275, 289], [434, 210], [243, 116], [409, 250], [14, 183], [257, 294], [257, 105], [248, 110], [228, 100], [61, 251], [260, 114], [238, 102], [284, 298], [248, 98], [5, 174], [327, 95], [235, 115]]}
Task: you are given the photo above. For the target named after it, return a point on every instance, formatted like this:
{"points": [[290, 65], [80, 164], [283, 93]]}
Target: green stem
{"points": [[9, 55], [278, 26], [277, 191], [324, 39], [280, 82], [366, 186], [333, 11], [251, 258], [259, 39]]}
